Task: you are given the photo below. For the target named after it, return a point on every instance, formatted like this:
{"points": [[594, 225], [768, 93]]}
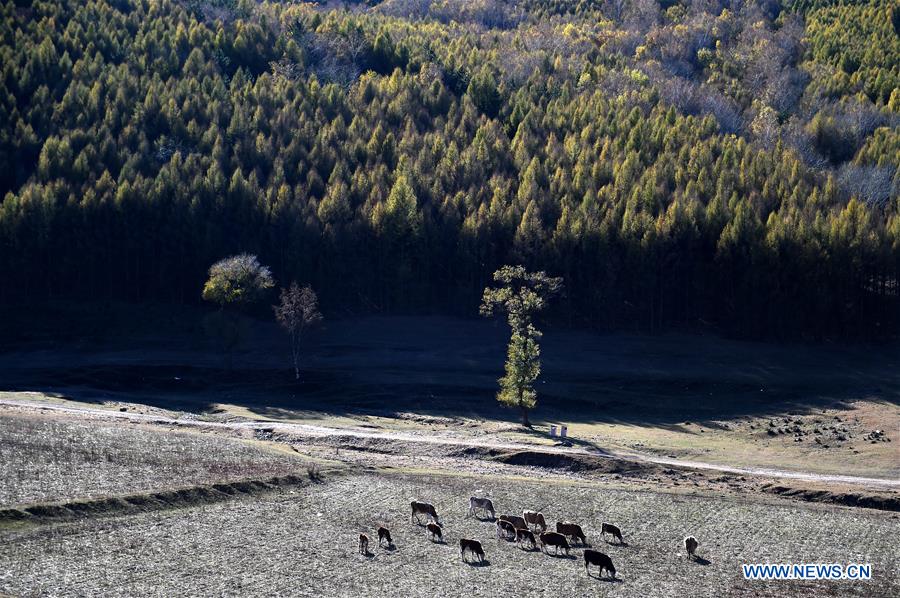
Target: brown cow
{"points": [[556, 540], [473, 546], [691, 544], [423, 508], [518, 522], [573, 530], [523, 535], [384, 534], [363, 544], [614, 531], [505, 529], [535, 518], [434, 530], [594, 557]]}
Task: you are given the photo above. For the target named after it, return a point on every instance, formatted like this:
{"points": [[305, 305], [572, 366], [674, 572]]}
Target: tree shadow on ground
{"points": [[447, 369]]}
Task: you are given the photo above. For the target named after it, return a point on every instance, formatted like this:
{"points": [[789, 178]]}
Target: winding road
{"points": [[317, 431]]}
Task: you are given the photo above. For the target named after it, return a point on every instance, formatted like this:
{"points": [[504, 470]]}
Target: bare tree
{"points": [[875, 185], [297, 311]]}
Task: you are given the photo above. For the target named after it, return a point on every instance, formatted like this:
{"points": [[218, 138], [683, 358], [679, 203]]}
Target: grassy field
{"points": [[303, 542], [46, 458]]}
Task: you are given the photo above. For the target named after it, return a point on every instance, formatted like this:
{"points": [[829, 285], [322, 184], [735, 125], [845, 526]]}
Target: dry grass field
{"points": [[395, 409], [302, 541], [50, 458]]}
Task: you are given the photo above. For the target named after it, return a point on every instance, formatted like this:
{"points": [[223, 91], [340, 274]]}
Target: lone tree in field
{"points": [[234, 283], [520, 295], [297, 311]]}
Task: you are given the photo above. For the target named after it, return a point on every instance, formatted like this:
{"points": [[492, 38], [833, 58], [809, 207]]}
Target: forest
{"points": [[714, 165]]}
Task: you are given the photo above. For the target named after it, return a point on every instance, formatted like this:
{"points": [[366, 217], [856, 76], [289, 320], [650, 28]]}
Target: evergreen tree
{"points": [[520, 295]]}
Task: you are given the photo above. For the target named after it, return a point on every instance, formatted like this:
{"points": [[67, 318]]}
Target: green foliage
{"points": [[520, 295], [237, 281], [860, 39], [395, 163], [523, 366], [483, 91]]}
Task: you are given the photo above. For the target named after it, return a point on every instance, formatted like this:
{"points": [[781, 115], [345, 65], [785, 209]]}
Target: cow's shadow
{"points": [[389, 547], [616, 544], [477, 563], [700, 560], [561, 555], [604, 578]]}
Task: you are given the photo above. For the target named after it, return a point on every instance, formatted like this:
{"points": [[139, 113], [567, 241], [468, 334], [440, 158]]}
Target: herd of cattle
{"points": [[520, 530]]}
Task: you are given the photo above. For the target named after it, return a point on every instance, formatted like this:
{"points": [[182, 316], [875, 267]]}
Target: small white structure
{"points": [[563, 430], [552, 431]]}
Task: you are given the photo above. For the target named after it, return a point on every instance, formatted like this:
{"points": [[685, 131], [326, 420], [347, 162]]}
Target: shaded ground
{"points": [[303, 542], [694, 398]]}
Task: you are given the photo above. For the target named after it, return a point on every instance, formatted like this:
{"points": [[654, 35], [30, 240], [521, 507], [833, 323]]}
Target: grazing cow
{"points": [[523, 535], [534, 518], [556, 540], [473, 546], [518, 522], [423, 508], [363, 544], [483, 504], [691, 544], [505, 529], [435, 531], [615, 532], [573, 530], [594, 557], [384, 534]]}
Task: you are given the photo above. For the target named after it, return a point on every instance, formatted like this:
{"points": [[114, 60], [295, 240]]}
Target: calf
{"points": [[691, 544], [483, 504], [435, 531], [505, 529], [523, 535], [593, 557], [473, 546], [363, 544], [422, 508], [573, 530], [534, 518], [518, 522], [384, 534], [556, 540], [615, 532]]}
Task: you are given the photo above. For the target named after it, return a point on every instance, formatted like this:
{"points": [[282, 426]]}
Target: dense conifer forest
{"points": [[715, 164]]}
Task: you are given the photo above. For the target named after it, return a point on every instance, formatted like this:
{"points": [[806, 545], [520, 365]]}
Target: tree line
{"points": [[645, 153]]}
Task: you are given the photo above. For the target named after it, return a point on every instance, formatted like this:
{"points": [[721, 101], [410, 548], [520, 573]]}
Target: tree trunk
{"points": [[525, 421]]}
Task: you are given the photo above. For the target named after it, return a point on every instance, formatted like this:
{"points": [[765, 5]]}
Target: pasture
{"points": [[52, 458], [303, 541]]}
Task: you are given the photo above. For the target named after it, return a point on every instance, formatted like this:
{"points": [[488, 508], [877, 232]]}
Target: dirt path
{"points": [[325, 432]]}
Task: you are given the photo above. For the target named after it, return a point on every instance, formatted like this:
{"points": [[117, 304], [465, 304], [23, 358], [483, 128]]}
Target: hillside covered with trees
{"points": [[693, 164]]}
